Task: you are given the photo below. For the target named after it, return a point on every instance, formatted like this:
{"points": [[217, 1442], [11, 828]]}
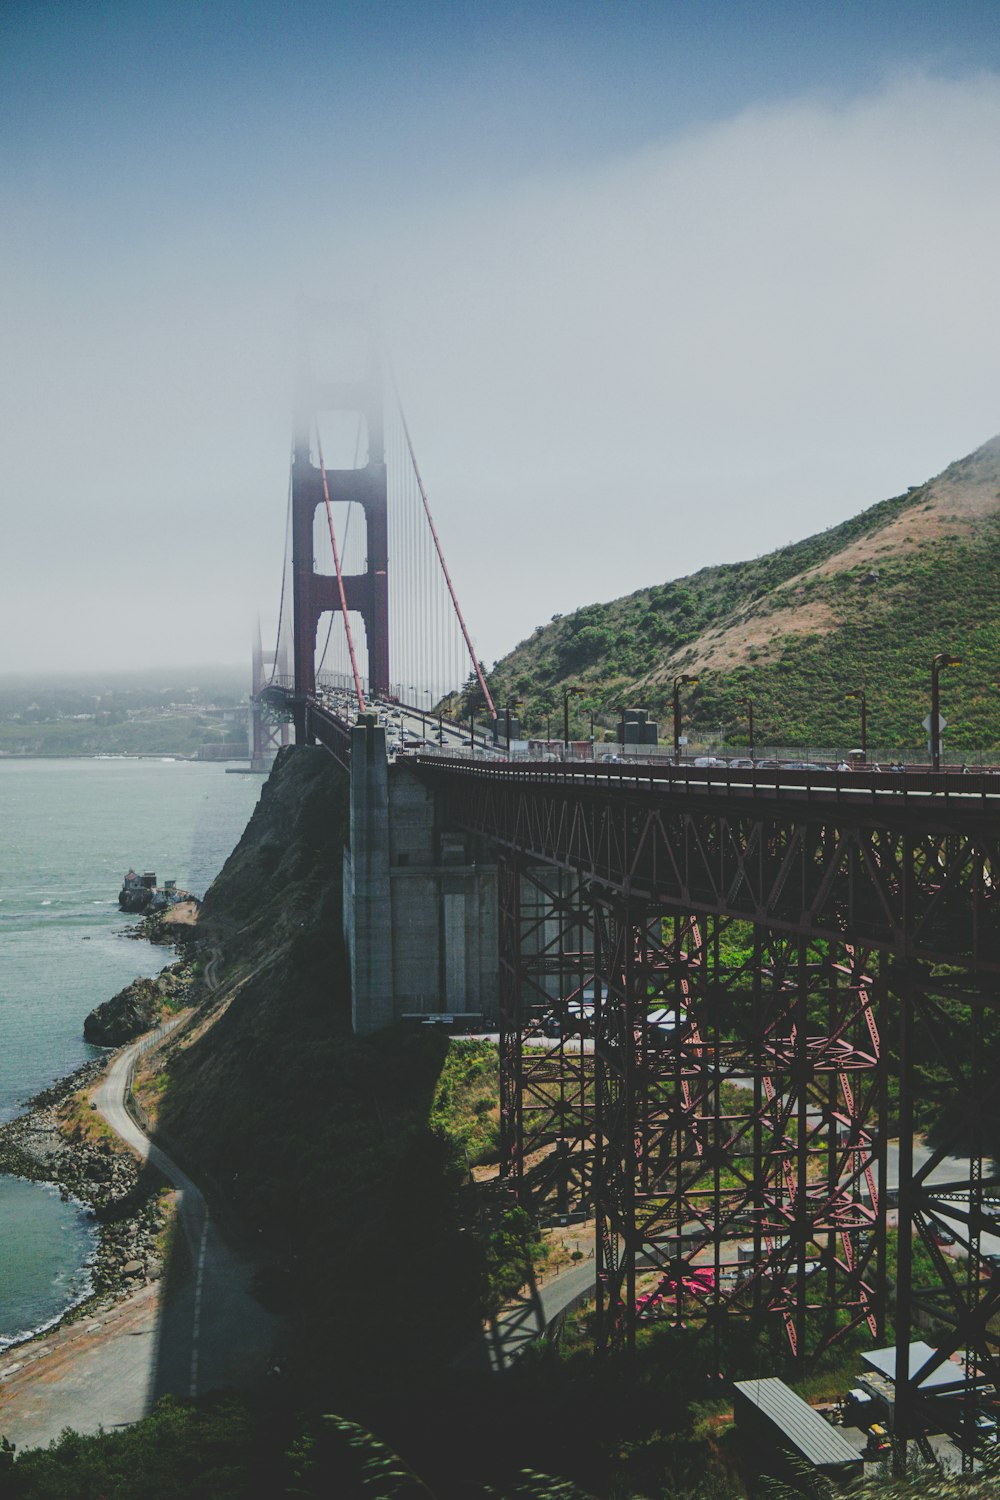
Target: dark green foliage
{"points": [[219, 1452], [513, 1248], [334, 1457]]}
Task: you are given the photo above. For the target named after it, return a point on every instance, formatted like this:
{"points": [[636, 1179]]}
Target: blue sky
{"points": [[687, 255]]}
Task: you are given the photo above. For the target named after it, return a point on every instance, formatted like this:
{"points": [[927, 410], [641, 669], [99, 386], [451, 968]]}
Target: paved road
{"points": [[949, 1169], [197, 1329]]}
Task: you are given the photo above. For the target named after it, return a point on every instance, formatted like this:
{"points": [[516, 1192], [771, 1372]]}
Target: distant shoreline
{"points": [[161, 755]]}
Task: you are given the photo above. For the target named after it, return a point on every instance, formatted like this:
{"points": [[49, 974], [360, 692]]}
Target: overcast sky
{"points": [[665, 284]]}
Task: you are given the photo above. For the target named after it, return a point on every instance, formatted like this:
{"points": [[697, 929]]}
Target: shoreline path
{"points": [[204, 1332]]}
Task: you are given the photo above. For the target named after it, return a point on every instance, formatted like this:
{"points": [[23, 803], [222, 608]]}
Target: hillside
{"points": [[864, 604]]}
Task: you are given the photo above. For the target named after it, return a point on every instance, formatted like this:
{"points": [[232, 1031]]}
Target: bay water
{"points": [[69, 829]]}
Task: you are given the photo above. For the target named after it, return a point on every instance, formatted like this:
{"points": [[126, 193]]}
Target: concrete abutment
{"points": [[420, 897]]}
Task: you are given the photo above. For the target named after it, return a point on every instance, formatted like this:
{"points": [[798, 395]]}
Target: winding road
{"points": [[197, 1329]]}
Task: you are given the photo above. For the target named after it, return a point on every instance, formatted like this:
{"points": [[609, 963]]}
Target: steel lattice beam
{"points": [[873, 926]]}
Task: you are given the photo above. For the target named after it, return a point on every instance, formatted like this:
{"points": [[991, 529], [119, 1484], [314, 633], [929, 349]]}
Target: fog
{"points": [[615, 371]]}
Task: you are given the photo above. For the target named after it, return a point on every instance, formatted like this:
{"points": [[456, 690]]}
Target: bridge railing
{"points": [[917, 786]]}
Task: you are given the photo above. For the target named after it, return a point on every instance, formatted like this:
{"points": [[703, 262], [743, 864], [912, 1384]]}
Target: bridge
{"points": [[719, 993]]}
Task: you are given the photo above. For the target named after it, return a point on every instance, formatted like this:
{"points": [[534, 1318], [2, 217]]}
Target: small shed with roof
{"points": [[772, 1413]]}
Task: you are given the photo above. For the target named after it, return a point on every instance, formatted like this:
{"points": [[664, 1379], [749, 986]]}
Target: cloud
{"points": [[614, 375], [714, 346]]}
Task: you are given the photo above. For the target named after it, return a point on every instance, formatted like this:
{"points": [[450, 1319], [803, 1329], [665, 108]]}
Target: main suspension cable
{"points": [[437, 544]]}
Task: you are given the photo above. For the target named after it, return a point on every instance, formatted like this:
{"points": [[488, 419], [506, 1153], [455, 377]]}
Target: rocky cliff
{"points": [[319, 1143]]}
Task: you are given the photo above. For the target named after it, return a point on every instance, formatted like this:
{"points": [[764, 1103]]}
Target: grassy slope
{"points": [[866, 603]]}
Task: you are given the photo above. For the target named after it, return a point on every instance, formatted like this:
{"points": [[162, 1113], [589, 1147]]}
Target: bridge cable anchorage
{"points": [[477, 666], [340, 576]]}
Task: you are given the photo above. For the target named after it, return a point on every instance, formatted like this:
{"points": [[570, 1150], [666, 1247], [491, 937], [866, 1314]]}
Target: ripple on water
{"points": [[47, 1250]]}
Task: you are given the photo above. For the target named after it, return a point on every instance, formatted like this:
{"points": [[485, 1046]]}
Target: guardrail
{"points": [[877, 787]]}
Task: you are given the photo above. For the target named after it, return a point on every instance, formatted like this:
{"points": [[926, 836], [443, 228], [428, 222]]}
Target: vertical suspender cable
{"points": [[275, 671], [340, 576], [437, 545]]}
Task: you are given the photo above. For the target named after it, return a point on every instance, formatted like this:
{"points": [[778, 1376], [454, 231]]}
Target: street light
{"points": [[684, 677], [859, 695], [511, 703], [568, 692], [747, 703], [943, 659]]}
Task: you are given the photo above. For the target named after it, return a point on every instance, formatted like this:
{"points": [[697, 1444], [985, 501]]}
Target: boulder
{"points": [[128, 1014]]}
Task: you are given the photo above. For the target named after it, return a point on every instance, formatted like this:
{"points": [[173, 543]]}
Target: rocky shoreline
{"points": [[125, 1197]]}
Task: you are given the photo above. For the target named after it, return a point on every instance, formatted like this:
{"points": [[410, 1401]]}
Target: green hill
{"points": [[865, 604]]}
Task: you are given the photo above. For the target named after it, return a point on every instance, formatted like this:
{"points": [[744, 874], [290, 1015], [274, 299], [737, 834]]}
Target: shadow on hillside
{"points": [[334, 1245]]}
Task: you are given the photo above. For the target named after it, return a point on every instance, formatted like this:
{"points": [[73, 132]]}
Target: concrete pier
{"points": [[420, 898]]}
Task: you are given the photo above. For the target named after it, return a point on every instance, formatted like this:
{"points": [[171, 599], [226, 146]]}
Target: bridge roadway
{"points": [[856, 789], [901, 861]]}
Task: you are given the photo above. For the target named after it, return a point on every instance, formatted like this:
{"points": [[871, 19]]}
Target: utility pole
{"points": [[567, 693], [859, 694], [747, 703], [684, 677], [943, 659]]}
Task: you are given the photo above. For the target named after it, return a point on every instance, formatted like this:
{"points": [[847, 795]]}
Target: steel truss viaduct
{"points": [[779, 973]]}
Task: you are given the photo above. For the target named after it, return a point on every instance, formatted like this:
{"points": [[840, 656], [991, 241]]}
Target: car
{"points": [[939, 1235], [741, 765], [707, 760], [990, 1264]]}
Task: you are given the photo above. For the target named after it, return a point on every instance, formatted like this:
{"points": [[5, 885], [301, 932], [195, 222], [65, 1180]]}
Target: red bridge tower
{"points": [[315, 593]]}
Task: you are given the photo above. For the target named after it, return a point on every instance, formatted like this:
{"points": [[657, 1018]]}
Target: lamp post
{"points": [[943, 659], [859, 695], [747, 703], [512, 703], [548, 728], [621, 729], [684, 677], [568, 692], [472, 734]]}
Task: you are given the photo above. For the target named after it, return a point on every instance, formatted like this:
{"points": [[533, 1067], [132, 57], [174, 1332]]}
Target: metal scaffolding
{"points": [[778, 979]]}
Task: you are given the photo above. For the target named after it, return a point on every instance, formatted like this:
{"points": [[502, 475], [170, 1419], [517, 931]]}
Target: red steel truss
{"points": [[740, 1088], [547, 1063], [762, 959]]}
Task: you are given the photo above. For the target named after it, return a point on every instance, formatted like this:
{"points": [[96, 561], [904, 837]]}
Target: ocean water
{"points": [[69, 829]]}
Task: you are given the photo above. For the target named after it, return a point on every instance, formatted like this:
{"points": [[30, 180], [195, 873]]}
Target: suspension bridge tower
{"points": [[267, 735], [313, 486]]}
